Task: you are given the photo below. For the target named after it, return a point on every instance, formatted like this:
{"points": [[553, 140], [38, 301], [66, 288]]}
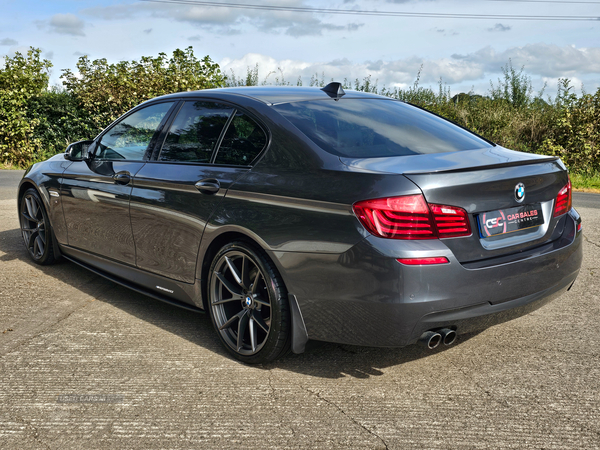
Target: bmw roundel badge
{"points": [[520, 192]]}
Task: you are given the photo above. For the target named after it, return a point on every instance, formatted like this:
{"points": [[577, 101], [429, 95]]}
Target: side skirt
{"points": [[106, 268]]}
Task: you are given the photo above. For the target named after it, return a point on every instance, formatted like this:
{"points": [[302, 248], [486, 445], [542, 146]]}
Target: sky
{"points": [[465, 53]]}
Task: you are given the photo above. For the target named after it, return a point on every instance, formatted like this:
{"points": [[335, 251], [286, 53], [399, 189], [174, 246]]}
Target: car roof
{"points": [[274, 95]]}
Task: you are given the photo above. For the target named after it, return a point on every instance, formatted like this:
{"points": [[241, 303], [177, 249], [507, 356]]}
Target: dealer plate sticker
{"points": [[511, 219]]}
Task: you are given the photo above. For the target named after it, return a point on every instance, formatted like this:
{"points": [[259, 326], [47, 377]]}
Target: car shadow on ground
{"points": [[321, 359]]}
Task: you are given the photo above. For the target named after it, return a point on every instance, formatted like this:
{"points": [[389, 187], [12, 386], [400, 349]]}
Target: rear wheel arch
{"points": [[212, 250]]}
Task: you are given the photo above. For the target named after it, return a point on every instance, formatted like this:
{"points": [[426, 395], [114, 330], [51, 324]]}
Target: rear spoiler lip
{"points": [[486, 166], [448, 162]]}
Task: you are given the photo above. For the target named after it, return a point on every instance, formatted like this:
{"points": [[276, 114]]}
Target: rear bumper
{"points": [[484, 315], [365, 297]]}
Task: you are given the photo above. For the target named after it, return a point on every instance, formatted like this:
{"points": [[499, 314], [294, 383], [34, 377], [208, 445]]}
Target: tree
{"points": [[106, 91], [21, 78]]}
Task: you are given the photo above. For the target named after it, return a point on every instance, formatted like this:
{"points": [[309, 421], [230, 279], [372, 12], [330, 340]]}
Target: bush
{"points": [[59, 122], [22, 78], [575, 136], [514, 89], [106, 91], [37, 122]]}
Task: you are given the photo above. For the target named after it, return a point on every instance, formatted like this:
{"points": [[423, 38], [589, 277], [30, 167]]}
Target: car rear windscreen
{"points": [[372, 128]]}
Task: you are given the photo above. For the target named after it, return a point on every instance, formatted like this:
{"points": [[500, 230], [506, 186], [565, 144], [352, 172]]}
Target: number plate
{"points": [[503, 221]]}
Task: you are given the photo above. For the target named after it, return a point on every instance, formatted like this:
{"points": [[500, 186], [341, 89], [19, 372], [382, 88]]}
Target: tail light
{"points": [[564, 202], [411, 217], [405, 217], [450, 221]]}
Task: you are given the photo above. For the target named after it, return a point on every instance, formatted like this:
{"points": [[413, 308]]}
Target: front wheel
{"points": [[35, 228], [248, 304]]}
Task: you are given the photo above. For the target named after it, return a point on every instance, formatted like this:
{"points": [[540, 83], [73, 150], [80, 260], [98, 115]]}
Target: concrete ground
{"points": [[155, 376]]}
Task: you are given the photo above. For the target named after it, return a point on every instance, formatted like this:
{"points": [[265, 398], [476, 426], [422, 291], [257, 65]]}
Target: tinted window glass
{"points": [[130, 137], [243, 141], [195, 132], [370, 128]]}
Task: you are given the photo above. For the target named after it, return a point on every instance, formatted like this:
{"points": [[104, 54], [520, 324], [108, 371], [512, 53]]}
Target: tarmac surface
{"points": [[85, 363]]}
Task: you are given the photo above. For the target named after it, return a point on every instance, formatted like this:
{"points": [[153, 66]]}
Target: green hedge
{"points": [[22, 78], [37, 122]]}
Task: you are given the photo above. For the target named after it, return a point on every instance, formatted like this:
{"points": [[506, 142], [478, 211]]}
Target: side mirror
{"points": [[79, 151]]}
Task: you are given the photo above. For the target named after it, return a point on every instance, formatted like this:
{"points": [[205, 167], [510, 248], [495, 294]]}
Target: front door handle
{"points": [[208, 186], [122, 177]]}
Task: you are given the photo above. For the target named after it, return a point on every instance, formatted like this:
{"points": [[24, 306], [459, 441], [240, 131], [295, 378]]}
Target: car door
{"points": [[95, 191], [174, 196]]}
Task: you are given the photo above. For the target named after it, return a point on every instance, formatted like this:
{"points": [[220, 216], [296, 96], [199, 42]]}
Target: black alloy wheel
{"points": [[35, 228], [248, 304]]}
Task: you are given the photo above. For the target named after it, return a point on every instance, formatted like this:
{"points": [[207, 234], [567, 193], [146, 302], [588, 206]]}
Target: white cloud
{"points": [[22, 49], [464, 53], [228, 21], [390, 73], [545, 60], [8, 41], [64, 24], [552, 83], [500, 27], [266, 64]]}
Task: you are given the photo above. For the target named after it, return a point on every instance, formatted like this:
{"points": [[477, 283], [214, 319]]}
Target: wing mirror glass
{"points": [[80, 151]]}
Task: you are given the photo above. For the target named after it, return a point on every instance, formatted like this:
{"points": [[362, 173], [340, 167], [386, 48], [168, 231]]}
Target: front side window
{"points": [[129, 139], [371, 128], [195, 132], [243, 141]]}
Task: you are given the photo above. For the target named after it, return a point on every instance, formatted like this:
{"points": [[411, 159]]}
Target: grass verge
{"points": [[586, 183]]}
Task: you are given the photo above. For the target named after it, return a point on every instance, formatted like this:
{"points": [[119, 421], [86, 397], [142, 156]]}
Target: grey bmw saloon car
{"points": [[291, 214]]}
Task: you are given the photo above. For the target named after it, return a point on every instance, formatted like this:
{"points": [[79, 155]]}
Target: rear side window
{"points": [[243, 141], [195, 132], [371, 128]]}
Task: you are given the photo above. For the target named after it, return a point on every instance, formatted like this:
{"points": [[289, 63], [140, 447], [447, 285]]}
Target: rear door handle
{"points": [[208, 186], [122, 177]]}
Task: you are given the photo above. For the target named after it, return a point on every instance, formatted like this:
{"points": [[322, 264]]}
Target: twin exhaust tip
{"points": [[431, 339]]}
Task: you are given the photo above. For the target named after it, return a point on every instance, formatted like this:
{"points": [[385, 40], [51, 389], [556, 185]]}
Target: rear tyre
{"points": [[248, 304], [35, 228]]}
